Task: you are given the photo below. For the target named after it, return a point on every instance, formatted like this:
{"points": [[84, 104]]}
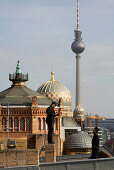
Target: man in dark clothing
{"points": [[50, 120], [95, 144]]}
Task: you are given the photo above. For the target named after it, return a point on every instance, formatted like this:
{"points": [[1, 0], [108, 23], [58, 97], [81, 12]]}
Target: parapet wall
{"points": [[88, 164], [95, 164], [10, 158]]}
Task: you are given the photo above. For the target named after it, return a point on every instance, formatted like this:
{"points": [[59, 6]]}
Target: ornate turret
{"points": [[18, 78], [78, 47]]}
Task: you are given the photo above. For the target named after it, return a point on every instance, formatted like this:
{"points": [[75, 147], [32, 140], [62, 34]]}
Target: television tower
{"points": [[78, 47]]}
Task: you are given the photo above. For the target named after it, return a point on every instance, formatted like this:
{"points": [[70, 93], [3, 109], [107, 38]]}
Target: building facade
{"points": [[23, 113]]}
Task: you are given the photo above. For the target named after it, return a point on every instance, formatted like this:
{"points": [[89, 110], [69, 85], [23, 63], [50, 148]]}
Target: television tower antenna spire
{"points": [[77, 17]]}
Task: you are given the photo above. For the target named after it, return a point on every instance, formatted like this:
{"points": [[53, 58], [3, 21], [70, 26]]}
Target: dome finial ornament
{"points": [[52, 74]]}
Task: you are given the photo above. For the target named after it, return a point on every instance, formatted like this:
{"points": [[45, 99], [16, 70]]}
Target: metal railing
{"points": [[18, 77]]}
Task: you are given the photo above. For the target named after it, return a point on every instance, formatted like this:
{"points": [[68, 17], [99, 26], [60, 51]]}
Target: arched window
{"points": [[16, 124], [10, 124], [4, 124], [43, 124], [39, 124], [28, 124], [22, 124]]}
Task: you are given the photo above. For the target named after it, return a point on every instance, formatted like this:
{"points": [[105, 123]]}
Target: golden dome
{"points": [[55, 90]]}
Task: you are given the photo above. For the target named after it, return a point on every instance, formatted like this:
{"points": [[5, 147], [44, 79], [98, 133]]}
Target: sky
{"points": [[40, 32]]}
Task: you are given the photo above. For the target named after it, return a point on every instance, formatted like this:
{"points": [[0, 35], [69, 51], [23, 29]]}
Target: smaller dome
{"points": [[78, 109], [78, 112], [78, 140]]}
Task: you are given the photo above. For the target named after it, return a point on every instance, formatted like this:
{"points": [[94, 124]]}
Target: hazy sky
{"points": [[40, 32]]}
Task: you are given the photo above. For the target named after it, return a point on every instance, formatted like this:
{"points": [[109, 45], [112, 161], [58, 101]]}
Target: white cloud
{"points": [[108, 64]]}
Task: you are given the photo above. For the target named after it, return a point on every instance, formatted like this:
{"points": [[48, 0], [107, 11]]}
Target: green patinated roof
{"points": [[18, 68], [21, 95]]}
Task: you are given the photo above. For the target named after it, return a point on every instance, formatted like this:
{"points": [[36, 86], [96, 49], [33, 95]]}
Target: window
{"points": [[28, 124], [22, 124], [43, 124], [39, 124], [4, 124], [10, 124], [16, 124]]}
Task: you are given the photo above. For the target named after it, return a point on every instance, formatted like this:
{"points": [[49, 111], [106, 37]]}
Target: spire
{"points": [[77, 17], [18, 68], [52, 75]]}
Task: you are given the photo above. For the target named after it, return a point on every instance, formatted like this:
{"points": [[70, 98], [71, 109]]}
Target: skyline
{"points": [[37, 31]]}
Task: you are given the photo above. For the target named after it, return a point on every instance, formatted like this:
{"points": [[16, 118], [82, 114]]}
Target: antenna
{"points": [[77, 17]]}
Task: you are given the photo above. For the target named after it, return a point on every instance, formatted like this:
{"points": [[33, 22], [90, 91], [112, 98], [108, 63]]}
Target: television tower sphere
{"points": [[78, 45]]}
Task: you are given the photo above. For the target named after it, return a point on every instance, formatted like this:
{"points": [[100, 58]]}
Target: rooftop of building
{"points": [[18, 94], [69, 122]]}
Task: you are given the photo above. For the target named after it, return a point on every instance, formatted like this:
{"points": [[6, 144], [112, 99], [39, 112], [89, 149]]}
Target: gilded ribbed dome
{"points": [[55, 90]]}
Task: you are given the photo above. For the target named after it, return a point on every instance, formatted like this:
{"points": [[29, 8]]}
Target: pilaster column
{"points": [[7, 124], [25, 124], [41, 124], [13, 124], [19, 124], [58, 124]]}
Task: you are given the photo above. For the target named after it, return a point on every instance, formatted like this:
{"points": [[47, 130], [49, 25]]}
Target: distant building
{"points": [[107, 124]]}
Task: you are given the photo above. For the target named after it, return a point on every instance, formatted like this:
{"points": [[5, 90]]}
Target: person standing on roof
{"points": [[50, 121], [95, 144]]}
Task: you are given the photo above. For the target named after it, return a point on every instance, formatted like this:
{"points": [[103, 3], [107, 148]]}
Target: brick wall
{"points": [[21, 143], [40, 142], [10, 158]]}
